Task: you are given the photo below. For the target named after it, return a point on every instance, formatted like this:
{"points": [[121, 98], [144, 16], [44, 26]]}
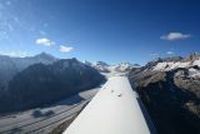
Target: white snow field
{"points": [[114, 110], [167, 66]]}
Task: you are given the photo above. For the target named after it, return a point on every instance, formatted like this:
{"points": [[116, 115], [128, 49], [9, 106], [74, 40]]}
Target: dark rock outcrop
{"points": [[172, 98]]}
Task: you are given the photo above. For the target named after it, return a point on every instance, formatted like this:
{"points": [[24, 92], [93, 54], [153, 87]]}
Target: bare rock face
{"points": [[172, 96]]}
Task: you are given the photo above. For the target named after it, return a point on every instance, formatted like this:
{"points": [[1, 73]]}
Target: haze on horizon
{"points": [[110, 30]]}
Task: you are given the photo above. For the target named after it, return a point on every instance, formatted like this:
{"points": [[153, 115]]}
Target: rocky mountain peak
{"points": [[101, 63], [44, 55], [193, 56]]}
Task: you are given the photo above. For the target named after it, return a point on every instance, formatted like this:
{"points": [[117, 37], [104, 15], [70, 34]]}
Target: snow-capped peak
{"points": [[167, 65], [103, 67], [101, 63]]}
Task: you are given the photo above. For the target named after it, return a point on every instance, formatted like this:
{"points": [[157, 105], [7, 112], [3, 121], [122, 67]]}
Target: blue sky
{"points": [[110, 30]]}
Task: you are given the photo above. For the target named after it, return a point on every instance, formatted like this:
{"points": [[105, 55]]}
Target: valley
{"points": [[28, 122]]}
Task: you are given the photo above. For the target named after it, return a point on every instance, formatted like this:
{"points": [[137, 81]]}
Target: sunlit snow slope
{"points": [[114, 110]]}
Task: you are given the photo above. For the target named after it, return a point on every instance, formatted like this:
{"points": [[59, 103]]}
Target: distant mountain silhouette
{"points": [[10, 66]]}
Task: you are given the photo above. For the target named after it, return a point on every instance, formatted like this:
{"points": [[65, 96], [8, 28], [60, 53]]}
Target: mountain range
{"points": [[169, 87], [104, 67], [36, 81]]}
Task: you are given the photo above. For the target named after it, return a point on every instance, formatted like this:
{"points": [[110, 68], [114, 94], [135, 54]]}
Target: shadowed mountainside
{"points": [[41, 84], [10, 66]]}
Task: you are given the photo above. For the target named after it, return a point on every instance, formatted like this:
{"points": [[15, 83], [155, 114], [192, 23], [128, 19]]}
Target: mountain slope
{"points": [[41, 84], [10, 66], [170, 90]]}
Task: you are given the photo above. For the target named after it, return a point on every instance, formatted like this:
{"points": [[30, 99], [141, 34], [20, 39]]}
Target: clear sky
{"points": [[110, 30]]}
